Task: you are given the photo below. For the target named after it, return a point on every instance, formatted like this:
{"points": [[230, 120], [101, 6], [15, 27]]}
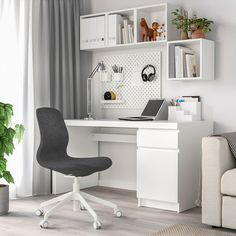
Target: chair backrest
{"points": [[54, 136]]}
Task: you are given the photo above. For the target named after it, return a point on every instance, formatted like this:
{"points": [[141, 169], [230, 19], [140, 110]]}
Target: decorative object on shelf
{"points": [[199, 27], [99, 67], [155, 34], [161, 32], [147, 33], [8, 133], [110, 95], [182, 22], [105, 76], [150, 76]]}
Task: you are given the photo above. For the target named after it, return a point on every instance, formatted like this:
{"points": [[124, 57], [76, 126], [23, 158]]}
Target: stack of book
{"points": [[120, 30], [185, 62], [126, 32]]}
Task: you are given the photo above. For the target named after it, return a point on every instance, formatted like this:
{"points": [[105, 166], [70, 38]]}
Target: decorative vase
{"points": [[183, 35], [198, 34], [4, 199]]}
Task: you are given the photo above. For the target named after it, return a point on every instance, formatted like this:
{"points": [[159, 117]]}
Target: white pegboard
{"points": [[135, 97]]}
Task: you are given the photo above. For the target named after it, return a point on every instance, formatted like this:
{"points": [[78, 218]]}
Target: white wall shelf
{"points": [[205, 59], [112, 101], [91, 40]]}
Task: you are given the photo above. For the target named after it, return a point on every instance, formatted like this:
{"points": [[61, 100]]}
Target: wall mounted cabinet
{"points": [[203, 49], [102, 30]]}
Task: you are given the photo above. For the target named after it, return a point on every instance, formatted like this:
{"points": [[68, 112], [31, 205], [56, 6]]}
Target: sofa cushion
{"points": [[228, 183]]}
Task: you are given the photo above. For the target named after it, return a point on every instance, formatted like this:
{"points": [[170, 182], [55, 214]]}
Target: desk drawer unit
{"points": [[157, 168], [167, 139]]}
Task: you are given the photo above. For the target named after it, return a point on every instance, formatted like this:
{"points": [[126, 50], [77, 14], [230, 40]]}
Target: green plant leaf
{"points": [[9, 113], [19, 132], [8, 177], [2, 129], [3, 164], [8, 147]]}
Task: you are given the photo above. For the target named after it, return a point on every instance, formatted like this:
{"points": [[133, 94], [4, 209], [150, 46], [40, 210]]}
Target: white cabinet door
{"points": [[157, 174]]}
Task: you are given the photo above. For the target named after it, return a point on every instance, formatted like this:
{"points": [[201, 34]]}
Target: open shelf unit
{"points": [[205, 56], [96, 28], [95, 31]]}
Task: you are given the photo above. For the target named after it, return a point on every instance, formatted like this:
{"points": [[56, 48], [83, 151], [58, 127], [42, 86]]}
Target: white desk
{"points": [[165, 156]]}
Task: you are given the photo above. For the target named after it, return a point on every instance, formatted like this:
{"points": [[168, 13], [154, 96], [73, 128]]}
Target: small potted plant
{"points": [[182, 22], [8, 133], [199, 27]]}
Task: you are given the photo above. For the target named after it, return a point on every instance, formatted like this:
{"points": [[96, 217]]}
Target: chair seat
{"points": [[228, 183], [80, 167]]}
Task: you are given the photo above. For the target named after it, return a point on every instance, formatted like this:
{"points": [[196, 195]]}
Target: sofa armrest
{"points": [[216, 159]]}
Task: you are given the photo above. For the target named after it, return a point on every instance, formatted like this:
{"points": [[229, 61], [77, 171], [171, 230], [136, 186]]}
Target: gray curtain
{"points": [[62, 39], [56, 61]]}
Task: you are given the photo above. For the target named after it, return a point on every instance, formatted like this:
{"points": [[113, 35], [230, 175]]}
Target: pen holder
{"points": [[118, 77]]}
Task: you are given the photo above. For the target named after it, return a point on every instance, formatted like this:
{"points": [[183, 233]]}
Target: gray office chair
{"points": [[52, 155]]}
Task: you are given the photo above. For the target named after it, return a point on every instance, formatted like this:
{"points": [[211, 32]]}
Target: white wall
{"points": [[218, 96]]}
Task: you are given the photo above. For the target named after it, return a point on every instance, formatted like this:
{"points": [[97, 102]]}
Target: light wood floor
{"points": [[136, 221]]}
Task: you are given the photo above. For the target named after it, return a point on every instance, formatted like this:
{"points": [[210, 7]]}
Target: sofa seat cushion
{"points": [[228, 183]]}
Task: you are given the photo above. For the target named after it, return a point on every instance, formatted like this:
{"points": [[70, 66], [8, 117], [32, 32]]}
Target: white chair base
{"points": [[79, 202]]}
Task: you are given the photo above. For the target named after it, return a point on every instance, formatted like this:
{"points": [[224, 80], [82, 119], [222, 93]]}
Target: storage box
{"points": [[187, 111]]}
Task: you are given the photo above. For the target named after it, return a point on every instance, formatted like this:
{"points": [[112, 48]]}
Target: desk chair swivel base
{"points": [[79, 201]]}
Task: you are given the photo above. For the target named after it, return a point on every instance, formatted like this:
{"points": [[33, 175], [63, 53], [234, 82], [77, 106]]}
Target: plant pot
{"points": [[183, 35], [4, 199], [198, 34]]}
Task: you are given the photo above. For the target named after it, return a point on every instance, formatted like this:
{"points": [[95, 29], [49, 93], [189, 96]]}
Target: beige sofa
{"points": [[218, 183]]}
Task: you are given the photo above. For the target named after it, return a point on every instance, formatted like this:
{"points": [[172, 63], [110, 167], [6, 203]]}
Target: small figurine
{"points": [[146, 32], [155, 26], [161, 32]]}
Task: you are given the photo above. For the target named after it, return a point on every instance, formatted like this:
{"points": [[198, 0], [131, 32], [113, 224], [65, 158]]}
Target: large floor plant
{"points": [[8, 134]]}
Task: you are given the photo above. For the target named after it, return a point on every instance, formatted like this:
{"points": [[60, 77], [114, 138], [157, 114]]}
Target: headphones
{"points": [[148, 77]]}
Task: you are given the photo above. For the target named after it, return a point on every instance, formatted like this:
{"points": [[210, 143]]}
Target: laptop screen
{"points": [[152, 107]]}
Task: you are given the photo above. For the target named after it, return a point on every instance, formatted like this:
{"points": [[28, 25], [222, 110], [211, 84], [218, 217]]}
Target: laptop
{"points": [[150, 112]]}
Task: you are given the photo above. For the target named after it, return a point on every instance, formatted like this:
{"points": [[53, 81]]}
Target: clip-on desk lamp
{"points": [[100, 67]]}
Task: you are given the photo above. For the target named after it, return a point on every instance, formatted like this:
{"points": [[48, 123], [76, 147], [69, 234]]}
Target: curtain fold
{"points": [[63, 38], [39, 66]]}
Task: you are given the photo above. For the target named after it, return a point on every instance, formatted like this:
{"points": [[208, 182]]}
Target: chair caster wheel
{"points": [[118, 213], [97, 225], [44, 224], [39, 212], [82, 208]]}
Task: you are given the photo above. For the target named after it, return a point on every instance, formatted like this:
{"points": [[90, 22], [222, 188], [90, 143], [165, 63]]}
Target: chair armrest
{"points": [[216, 160]]}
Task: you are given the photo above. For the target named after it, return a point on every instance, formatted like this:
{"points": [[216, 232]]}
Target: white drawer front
{"points": [[157, 138], [157, 174]]}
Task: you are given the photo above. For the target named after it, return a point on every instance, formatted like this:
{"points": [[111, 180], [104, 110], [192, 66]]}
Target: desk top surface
{"points": [[108, 123]]}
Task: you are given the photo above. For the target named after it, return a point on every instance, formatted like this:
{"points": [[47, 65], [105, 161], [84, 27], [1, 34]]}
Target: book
{"points": [[191, 65], [120, 34], [127, 35], [130, 33], [180, 61]]}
